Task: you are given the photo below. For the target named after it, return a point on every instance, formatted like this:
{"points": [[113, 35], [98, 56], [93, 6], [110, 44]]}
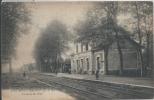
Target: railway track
{"points": [[98, 89], [121, 89], [58, 85]]}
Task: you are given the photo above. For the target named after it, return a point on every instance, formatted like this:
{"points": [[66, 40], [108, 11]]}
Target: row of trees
{"points": [[102, 26], [15, 18], [50, 46]]}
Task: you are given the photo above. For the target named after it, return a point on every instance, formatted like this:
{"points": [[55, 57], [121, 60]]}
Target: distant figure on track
{"points": [[24, 74], [97, 74]]}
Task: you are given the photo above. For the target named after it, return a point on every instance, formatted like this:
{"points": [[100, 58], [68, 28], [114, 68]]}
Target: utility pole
{"points": [[10, 65]]}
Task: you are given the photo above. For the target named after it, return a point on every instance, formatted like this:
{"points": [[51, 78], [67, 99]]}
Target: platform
{"points": [[129, 81]]}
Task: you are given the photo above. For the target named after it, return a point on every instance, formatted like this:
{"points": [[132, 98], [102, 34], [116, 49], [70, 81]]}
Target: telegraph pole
{"points": [[10, 66]]}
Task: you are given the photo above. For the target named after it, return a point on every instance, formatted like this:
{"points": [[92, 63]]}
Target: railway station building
{"points": [[88, 58]]}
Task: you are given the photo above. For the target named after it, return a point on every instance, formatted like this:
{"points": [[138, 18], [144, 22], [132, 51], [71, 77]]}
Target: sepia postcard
{"points": [[76, 50]]}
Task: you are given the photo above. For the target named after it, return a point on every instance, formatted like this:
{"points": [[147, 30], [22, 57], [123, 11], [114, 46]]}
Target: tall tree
{"points": [[142, 13], [112, 11], [101, 27], [14, 21], [50, 46], [141, 25], [144, 17], [91, 31]]}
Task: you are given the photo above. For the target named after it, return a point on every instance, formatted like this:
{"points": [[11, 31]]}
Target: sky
{"points": [[41, 15]]}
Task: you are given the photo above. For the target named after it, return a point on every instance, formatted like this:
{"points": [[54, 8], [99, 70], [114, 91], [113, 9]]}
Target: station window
{"points": [[87, 47], [82, 63], [76, 48], [81, 47], [78, 64]]}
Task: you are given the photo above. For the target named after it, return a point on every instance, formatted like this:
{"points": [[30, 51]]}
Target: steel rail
{"points": [[71, 87], [122, 90], [114, 88]]}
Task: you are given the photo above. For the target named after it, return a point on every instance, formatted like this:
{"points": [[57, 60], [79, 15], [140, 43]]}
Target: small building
{"points": [[89, 58], [64, 66]]}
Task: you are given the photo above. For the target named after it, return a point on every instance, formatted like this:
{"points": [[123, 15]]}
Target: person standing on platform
{"points": [[97, 74]]}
